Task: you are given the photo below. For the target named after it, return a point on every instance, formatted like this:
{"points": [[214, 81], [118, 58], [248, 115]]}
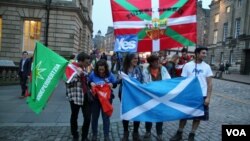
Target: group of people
{"points": [[223, 68], [78, 87], [82, 90]]}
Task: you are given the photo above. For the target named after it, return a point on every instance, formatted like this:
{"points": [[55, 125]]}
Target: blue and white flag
{"points": [[126, 43], [160, 101]]}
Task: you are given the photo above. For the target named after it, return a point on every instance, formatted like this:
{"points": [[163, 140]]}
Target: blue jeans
{"points": [[96, 108]]}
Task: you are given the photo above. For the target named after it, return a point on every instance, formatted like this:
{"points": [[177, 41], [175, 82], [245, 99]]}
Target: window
{"points": [[31, 33], [231, 57], [239, 3], [0, 32], [221, 57], [216, 18], [212, 59], [225, 30], [237, 28], [215, 36], [228, 9]]}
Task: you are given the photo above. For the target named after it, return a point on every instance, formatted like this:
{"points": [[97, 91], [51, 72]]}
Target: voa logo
{"points": [[236, 132]]}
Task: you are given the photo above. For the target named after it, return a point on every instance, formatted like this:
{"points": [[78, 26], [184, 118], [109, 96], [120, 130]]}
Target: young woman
{"points": [[154, 72], [101, 76], [132, 69]]}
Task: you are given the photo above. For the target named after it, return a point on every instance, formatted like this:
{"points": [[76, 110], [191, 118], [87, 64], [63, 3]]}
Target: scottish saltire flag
{"points": [[47, 69], [159, 101], [126, 43], [159, 24]]}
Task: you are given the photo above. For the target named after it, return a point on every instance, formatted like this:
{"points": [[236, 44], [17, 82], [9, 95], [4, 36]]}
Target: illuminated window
{"points": [[0, 32], [216, 18], [228, 9], [31, 33]]}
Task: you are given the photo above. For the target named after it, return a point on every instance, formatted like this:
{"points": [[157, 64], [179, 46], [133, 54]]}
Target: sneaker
{"points": [[177, 136], [191, 137], [125, 136], [159, 138], [136, 137], [147, 135]]}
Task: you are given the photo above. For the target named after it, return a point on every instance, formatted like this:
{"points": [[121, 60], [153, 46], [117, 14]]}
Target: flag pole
{"points": [[196, 40]]}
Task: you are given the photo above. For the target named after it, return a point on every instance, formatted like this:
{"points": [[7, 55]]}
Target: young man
{"points": [[185, 58], [199, 68], [76, 90]]}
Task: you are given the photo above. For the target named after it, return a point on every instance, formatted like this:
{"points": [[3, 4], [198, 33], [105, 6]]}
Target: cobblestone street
{"points": [[230, 104]]}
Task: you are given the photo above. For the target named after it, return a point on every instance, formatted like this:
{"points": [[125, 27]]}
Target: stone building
{"points": [[109, 40], [229, 34], [99, 42], [65, 26], [202, 24]]}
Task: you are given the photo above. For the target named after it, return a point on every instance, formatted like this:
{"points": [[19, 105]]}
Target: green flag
{"points": [[47, 69]]}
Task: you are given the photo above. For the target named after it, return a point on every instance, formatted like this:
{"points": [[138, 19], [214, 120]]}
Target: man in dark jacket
{"points": [[24, 71]]}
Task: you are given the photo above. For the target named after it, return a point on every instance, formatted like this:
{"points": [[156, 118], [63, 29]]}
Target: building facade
{"points": [[65, 26], [229, 34], [202, 24], [109, 40], [99, 42]]}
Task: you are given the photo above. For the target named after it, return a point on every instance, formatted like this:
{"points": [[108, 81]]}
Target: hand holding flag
{"points": [[179, 98]]}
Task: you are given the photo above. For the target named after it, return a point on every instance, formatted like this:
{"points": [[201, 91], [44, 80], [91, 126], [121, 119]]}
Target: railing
{"points": [[8, 75]]}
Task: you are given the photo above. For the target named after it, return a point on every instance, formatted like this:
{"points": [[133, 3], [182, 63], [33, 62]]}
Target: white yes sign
{"points": [[126, 45]]}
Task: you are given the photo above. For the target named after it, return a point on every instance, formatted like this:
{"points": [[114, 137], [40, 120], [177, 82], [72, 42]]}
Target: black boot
{"points": [[177, 136], [125, 136], [136, 137], [191, 137]]}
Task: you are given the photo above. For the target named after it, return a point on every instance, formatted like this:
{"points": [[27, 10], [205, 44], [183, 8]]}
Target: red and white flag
{"points": [[159, 24], [70, 72]]}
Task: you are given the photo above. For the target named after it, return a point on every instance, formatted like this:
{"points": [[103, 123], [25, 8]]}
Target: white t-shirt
{"points": [[202, 70]]}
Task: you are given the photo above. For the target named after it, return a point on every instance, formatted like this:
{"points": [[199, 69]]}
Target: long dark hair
{"points": [[104, 63], [127, 61]]}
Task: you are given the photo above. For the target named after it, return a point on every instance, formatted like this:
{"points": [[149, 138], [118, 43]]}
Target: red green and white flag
{"points": [[159, 24], [70, 72], [47, 70]]}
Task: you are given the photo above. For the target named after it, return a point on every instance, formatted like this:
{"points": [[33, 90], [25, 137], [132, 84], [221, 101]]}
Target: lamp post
{"points": [[48, 3]]}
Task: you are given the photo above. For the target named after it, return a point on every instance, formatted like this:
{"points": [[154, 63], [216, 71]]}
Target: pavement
{"points": [[235, 77], [230, 104]]}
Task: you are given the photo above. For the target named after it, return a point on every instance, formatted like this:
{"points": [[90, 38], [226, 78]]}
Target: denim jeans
{"points": [[86, 111], [159, 125], [96, 109]]}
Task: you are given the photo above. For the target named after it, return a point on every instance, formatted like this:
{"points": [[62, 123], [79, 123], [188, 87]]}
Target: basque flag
{"points": [[158, 24], [160, 101]]}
